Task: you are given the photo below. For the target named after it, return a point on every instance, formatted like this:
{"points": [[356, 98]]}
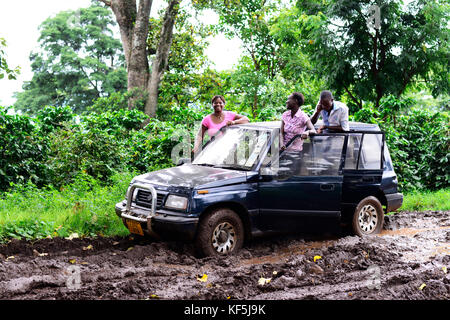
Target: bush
{"points": [[23, 151]]}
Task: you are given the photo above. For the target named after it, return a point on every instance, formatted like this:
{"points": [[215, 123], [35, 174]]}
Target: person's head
{"points": [[295, 100], [326, 100], [218, 102]]}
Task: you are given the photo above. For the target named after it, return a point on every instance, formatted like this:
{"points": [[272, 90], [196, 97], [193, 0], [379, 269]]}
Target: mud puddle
{"points": [[408, 260]]}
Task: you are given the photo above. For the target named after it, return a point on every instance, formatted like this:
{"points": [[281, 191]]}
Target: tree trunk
{"points": [[159, 64], [134, 23]]}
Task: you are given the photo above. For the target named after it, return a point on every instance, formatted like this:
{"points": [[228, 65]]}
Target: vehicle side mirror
{"points": [[183, 161]]}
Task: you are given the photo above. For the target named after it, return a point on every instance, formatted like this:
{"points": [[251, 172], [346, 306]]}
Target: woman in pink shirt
{"points": [[216, 120], [293, 122]]}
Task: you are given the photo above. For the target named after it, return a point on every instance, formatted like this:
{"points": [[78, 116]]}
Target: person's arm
{"points": [[311, 129], [316, 114], [199, 138], [238, 119], [282, 147], [332, 128]]}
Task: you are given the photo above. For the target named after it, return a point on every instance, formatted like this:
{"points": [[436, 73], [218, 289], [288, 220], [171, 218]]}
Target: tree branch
{"points": [[107, 2]]}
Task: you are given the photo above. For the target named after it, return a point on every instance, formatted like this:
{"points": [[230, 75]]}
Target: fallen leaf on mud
{"points": [[10, 257], [73, 236], [154, 296], [84, 262], [317, 258], [350, 294], [203, 278], [422, 286], [209, 285], [37, 254], [274, 273], [262, 281], [228, 298], [115, 243], [129, 249], [72, 261], [444, 268], [89, 247]]}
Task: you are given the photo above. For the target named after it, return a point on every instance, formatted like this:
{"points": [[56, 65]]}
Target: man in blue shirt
{"points": [[334, 114]]}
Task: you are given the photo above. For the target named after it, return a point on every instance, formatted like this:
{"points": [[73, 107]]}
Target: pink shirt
{"points": [[214, 127], [293, 126]]}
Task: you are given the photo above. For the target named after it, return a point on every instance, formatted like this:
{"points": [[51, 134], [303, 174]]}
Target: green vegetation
{"points": [[427, 200], [84, 207]]}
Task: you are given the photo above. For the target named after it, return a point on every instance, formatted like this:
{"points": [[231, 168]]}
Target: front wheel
{"points": [[220, 233], [368, 217]]}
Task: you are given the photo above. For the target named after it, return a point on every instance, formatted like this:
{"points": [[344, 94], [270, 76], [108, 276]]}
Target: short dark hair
{"points": [[299, 97], [218, 97], [325, 94]]}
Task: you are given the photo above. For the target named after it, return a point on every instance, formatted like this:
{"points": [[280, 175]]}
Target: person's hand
{"points": [[319, 107], [305, 135], [230, 123], [321, 129]]}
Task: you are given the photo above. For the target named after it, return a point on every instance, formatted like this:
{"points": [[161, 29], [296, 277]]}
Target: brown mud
{"points": [[410, 259]]}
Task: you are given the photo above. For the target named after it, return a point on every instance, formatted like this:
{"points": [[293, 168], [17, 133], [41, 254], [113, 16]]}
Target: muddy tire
{"points": [[220, 232], [368, 217]]}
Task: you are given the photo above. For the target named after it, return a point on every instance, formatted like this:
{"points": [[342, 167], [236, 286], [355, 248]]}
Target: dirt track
{"points": [[409, 260]]}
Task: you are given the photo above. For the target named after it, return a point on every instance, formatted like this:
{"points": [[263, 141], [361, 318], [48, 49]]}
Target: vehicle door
{"points": [[363, 168], [304, 190]]}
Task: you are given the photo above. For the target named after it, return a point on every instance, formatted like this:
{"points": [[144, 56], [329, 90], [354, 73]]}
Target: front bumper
{"points": [[394, 201], [164, 224]]}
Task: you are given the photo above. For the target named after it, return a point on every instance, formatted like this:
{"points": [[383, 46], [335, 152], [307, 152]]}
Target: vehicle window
{"points": [[235, 148], [371, 152], [320, 157], [353, 144], [370, 157]]}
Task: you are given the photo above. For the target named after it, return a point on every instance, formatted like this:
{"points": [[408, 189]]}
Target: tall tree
{"points": [[369, 49], [80, 61], [133, 19]]}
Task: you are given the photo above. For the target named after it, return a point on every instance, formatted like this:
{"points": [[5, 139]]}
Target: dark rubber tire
{"points": [[209, 223], [372, 207]]}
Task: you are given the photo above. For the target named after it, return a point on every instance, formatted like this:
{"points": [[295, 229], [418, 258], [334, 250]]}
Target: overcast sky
{"points": [[19, 21]]}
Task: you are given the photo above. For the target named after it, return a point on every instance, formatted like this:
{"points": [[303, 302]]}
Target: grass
{"points": [[87, 208], [84, 207], [427, 200]]}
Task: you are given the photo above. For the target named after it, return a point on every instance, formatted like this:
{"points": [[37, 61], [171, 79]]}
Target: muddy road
{"points": [[409, 260]]}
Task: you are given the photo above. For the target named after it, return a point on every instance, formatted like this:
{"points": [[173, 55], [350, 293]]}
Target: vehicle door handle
{"points": [[327, 187]]}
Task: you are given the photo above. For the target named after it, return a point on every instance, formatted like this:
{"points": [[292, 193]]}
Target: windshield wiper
{"points": [[204, 164], [231, 166]]}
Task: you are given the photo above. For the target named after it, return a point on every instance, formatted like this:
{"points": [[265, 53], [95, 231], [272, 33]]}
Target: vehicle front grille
{"points": [[144, 198]]}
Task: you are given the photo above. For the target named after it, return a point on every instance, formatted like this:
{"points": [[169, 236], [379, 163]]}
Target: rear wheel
{"points": [[368, 217], [220, 232]]}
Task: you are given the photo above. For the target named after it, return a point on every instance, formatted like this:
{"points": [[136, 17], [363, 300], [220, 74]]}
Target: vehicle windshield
{"points": [[234, 148]]}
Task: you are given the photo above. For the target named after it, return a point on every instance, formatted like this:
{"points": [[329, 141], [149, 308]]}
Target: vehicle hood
{"points": [[193, 176]]}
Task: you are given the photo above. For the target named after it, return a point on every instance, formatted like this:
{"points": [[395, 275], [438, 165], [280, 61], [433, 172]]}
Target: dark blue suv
{"points": [[240, 186]]}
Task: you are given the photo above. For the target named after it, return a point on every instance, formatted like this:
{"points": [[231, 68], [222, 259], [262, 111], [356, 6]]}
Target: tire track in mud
{"points": [[408, 260]]}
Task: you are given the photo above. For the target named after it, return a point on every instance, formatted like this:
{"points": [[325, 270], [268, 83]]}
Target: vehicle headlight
{"points": [[176, 202]]}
